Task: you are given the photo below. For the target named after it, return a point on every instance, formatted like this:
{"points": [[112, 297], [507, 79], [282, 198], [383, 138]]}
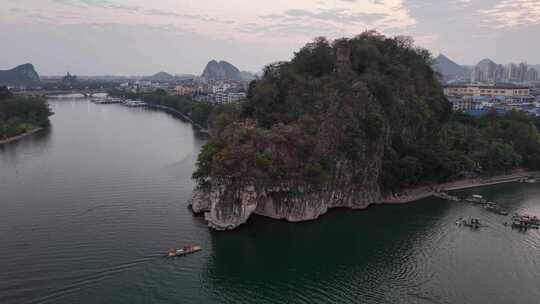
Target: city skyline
{"points": [[131, 37]]}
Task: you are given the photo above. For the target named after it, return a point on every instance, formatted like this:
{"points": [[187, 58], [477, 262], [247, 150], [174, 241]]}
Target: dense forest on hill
{"points": [[381, 109], [21, 114], [198, 111]]}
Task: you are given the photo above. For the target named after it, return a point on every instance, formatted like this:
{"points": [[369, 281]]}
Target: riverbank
{"points": [[15, 138], [179, 114], [195, 112], [417, 193]]}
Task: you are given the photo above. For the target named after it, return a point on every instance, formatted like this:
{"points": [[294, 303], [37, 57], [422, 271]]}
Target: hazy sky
{"points": [[136, 37]]}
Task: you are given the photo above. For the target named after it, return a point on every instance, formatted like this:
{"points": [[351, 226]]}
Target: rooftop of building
{"points": [[500, 86]]}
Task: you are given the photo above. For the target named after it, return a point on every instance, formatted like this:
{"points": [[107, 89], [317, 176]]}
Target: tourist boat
{"points": [[134, 103], [493, 207], [523, 225], [525, 218], [472, 223], [476, 199], [97, 100], [183, 251], [524, 222]]}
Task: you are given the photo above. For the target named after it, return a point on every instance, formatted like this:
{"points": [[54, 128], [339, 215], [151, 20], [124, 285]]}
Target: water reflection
{"points": [[336, 259], [36, 142]]}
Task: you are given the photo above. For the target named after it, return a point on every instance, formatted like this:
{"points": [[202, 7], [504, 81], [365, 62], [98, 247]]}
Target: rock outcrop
{"points": [[221, 70], [23, 75], [331, 128]]}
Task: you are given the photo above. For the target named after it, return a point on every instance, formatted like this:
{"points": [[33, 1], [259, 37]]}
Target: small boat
{"points": [[522, 225], [473, 223], [493, 207], [476, 199], [183, 251], [134, 103], [529, 219], [446, 196]]}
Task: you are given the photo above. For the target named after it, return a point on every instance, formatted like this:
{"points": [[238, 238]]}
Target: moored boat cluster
{"points": [[112, 100], [518, 221]]}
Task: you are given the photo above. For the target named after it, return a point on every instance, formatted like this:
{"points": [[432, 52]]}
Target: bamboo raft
{"points": [[183, 251]]}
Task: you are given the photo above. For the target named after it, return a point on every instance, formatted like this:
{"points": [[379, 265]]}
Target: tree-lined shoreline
{"points": [[21, 116], [21, 136], [196, 111]]}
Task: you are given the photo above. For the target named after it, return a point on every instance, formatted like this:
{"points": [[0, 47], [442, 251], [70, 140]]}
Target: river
{"points": [[89, 208]]}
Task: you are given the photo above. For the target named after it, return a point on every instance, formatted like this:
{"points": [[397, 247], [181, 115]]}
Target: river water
{"points": [[89, 207]]}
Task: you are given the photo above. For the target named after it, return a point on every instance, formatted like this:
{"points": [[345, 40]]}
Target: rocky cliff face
{"points": [[23, 75], [228, 205]]}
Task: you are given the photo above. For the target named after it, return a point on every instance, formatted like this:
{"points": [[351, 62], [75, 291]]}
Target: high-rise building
{"points": [[487, 71], [522, 72], [532, 75]]}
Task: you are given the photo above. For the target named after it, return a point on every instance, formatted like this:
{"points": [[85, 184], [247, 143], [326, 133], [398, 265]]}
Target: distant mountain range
{"points": [[161, 76], [223, 70], [450, 69], [23, 75], [166, 77]]}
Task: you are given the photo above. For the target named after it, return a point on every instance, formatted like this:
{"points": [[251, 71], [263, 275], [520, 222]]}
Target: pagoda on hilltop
{"points": [[343, 57]]}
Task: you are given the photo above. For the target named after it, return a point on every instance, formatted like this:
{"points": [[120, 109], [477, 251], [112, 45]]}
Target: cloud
{"points": [[242, 20], [162, 13], [291, 28], [338, 15], [336, 18], [513, 13], [97, 4]]}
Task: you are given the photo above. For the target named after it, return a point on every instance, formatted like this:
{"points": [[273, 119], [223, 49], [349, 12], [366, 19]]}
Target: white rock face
{"points": [[228, 205], [200, 202]]}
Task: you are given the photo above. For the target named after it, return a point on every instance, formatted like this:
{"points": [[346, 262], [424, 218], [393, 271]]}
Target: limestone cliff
{"points": [[228, 205], [22, 75], [221, 70]]}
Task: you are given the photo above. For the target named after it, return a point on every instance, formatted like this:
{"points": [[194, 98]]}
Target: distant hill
{"points": [[23, 75], [161, 76], [485, 63], [450, 69], [536, 67], [184, 76], [247, 76], [221, 71]]}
